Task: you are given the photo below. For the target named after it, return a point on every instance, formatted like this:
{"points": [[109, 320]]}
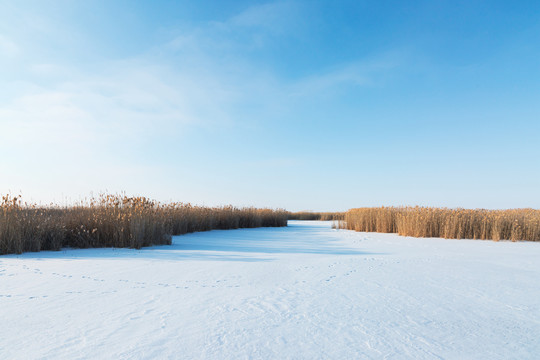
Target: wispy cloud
{"points": [[277, 17], [369, 72], [126, 102], [142, 96], [201, 85], [108, 114], [251, 28]]}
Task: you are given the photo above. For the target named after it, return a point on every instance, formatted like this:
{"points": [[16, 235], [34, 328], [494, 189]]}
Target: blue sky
{"points": [[304, 105]]}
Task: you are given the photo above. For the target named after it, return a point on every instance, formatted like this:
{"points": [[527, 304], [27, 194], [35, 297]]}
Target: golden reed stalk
{"points": [[308, 215], [514, 224], [116, 221]]}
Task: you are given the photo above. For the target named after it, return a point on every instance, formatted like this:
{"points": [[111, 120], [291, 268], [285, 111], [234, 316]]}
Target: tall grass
{"points": [[308, 215], [514, 224], [116, 221]]}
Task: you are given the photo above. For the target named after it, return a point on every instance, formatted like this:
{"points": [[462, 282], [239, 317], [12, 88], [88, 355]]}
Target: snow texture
{"points": [[302, 292]]}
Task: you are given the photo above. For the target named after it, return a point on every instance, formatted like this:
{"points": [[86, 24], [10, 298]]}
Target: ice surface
{"points": [[302, 292]]}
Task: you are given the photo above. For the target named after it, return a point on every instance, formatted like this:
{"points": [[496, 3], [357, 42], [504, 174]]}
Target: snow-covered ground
{"points": [[302, 292]]}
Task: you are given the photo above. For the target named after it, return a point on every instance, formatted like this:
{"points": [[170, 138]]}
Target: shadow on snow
{"points": [[300, 237]]}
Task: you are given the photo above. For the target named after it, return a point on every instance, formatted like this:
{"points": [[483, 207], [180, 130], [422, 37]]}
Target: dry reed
{"points": [[116, 221], [308, 215], [514, 224]]}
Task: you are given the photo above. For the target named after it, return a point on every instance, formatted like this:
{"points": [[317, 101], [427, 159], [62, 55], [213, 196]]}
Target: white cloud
{"points": [[134, 99], [93, 120], [251, 28], [276, 17], [124, 98], [364, 73], [89, 133]]}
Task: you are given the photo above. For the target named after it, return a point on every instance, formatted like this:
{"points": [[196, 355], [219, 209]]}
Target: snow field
{"points": [[302, 292]]}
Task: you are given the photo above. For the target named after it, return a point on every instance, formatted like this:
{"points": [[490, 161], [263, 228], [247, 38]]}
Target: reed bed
{"points": [[514, 224], [116, 221], [308, 215]]}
